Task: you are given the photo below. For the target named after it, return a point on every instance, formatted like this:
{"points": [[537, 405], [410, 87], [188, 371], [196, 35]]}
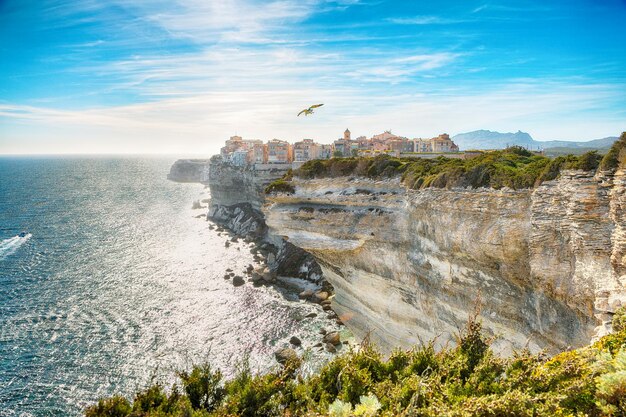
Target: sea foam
{"points": [[10, 245]]}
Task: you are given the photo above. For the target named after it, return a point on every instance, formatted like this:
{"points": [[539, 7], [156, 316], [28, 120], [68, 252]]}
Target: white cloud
{"points": [[200, 123], [194, 100], [398, 70], [231, 20], [423, 20]]}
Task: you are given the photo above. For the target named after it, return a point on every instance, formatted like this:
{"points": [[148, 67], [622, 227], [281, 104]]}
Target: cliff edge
{"points": [[189, 170], [545, 266], [542, 265]]}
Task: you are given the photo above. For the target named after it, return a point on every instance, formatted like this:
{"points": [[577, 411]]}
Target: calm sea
{"points": [[109, 281]]}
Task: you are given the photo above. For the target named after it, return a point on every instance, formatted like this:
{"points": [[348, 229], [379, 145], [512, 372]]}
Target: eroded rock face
{"points": [[237, 195], [544, 265], [189, 170], [242, 219], [231, 185]]}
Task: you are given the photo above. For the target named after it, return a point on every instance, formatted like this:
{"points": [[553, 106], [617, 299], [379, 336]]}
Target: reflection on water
{"points": [[120, 283]]}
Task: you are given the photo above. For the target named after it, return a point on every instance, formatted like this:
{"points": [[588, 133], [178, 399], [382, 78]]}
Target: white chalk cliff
{"points": [[547, 266]]}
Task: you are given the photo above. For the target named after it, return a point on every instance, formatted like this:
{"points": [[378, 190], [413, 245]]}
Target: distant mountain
{"points": [[603, 143], [486, 139]]}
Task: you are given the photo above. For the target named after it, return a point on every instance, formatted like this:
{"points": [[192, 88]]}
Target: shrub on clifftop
{"points": [[619, 320], [280, 186], [514, 167], [616, 155]]}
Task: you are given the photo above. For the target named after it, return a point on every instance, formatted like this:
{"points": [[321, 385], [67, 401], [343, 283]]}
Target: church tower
{"points": [[346, 135]]}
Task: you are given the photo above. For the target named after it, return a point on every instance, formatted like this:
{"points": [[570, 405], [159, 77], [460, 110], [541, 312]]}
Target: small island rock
{"points": [[318, 297], [333, 338], [295, 341], [284, 355], [305, 294]]}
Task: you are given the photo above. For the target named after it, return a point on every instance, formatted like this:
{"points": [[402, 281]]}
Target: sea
{"points": [[110, 281]]}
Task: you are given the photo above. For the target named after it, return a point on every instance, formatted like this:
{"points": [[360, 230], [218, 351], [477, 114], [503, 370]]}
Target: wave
{"points": [[12, 244]]}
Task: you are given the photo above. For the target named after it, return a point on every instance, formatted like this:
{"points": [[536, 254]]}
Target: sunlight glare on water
{"points": [[119, 284]]}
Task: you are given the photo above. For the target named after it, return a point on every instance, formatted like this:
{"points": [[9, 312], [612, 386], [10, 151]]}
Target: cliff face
{"points": [[232, 185], [544, 267], [237, 195], [189, 170]]}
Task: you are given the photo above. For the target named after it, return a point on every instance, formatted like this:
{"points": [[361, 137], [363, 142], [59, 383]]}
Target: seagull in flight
{"points": [[310, 109]]}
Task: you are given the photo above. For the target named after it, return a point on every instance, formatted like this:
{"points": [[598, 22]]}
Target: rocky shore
{"points": [[284, 268], [542, 264], [277, 262]]}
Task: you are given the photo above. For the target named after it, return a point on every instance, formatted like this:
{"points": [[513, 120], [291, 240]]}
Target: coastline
{"points": [[277, 263], [406, 267]]}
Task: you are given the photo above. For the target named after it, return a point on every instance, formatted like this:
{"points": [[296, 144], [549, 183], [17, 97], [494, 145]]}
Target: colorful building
{"points": [[242, 152], [305, 150], [325, 151], [279, 152], [258, 153]]}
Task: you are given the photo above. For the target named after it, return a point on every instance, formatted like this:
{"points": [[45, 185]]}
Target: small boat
{"points": [[23, 234]]}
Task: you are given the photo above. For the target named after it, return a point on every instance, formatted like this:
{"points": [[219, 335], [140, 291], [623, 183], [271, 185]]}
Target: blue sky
{"points": [[182, 75]]}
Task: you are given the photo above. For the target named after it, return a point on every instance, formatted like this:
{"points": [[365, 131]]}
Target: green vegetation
{"points": [[467, 380], [616, 156], [280, 186], [514, 167], [565, 151]]}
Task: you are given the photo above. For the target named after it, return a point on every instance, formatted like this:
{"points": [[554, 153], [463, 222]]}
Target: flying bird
{"points": [[310, 109]]}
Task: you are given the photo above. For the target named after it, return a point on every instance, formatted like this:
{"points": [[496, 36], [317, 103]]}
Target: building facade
{"points": [[279, 152], [342, 147], [325, 151], [399, 144], [242, 152], [423, 145], [258, 154], [239, 157], [305, 150], [443, 144]]}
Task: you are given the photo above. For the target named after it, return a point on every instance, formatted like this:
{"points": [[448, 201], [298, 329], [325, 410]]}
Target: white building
{"points": [[239, 158]]}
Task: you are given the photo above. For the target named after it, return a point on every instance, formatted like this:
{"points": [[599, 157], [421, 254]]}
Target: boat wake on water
{"points": [[10, 245]]}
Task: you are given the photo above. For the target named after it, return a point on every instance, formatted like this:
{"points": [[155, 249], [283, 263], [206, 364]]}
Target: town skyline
{"points": [[242, 152]]}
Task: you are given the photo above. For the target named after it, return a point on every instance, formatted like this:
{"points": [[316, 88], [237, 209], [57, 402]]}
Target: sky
{"points": [[181, 76]]}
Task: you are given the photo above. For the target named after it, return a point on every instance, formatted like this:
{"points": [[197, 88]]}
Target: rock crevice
{"points": [[236, 198]]}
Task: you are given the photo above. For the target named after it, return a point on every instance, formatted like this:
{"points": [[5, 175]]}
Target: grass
{"points": [[466, 380], [513, 167]]}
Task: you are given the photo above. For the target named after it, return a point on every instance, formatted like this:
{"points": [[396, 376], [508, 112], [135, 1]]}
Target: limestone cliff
{"points": [[237, 195], [232, 185], [546, 265], [189, 170]]}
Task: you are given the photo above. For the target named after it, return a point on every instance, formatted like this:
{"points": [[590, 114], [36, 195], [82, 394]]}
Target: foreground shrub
{"points": [[340, 409], [466, 380], [202, 387], [368, 406], [611, 396], [112, 407], [619, 320]]}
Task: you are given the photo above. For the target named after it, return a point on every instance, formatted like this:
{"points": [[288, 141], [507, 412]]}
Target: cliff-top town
{"points": [[241, 152]]}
